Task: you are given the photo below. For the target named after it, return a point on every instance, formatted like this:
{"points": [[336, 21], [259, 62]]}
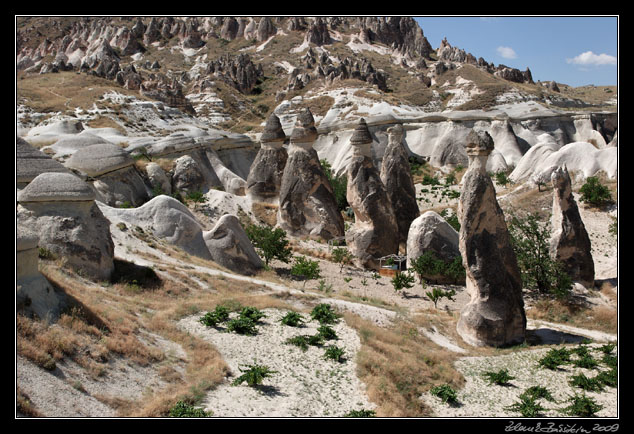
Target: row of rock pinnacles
{"points": [[60, 210]]}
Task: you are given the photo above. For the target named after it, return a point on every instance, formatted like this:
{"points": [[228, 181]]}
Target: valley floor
{"points": [[305, 383]]}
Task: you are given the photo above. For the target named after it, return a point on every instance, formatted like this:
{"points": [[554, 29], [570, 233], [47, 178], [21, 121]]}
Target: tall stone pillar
{"points": [[495, 314], [307, 205], [265, 176], [397, 178], [570, 243], [375, 230]]}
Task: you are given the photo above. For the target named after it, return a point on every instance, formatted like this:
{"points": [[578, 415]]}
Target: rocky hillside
{"points": [[151, 77]]}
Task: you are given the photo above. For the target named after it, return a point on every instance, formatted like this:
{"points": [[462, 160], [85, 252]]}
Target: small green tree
{"points": [[403, 280], [529, 239], [341, 256], [270, 243], [595, 193], [436, 294], [306, 269], [339, 185]]}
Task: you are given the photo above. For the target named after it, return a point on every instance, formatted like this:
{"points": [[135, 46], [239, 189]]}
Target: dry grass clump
{"points": [[398, 365]]}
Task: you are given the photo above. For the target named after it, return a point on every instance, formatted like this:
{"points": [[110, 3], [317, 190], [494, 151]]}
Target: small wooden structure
{"points": [[391, 265]]}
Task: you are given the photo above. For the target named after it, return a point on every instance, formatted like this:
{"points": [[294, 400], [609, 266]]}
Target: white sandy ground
{"points": [[306, 384]]}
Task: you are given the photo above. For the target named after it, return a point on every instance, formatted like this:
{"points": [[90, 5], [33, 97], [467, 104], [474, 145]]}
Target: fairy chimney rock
{"points": [[265, 175], [397, 178], [61, 209], [495, 314], [307, 204], [570, 243], [375, 231]]}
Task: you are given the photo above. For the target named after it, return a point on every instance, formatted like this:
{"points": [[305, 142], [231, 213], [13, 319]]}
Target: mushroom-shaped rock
{"points": [[307, 205], [112, 173], [230, 246], [495, 314], [375, 231], [60, 208], [98, 159], [265, 175], [397, 178], [570, 243]]}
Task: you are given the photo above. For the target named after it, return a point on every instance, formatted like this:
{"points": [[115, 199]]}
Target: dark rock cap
{"points": [[361, 134], [273, 131], [304, 130], [479, 142]]}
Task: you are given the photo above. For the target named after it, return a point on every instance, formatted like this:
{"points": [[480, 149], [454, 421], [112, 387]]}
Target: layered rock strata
{"points": [[375, 231], [307, 205], [495, 314], [570, 243], [397, 178]]}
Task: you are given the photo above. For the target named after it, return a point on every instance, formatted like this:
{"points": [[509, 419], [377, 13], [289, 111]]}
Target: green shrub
{"points": [[342, 256], [293, 319], [253, 375], [445, 392], [429, 264], [324, 314], [335, 353], [270, 243], [594, 193], [436, 294], [608, 378], [538, 392], [555, 358], [242, 326], [211, 319], [327, 333], [501, 377], [196, 196], [306, 269], [585, 383], [360, 413], [339, 185], [582, 406], [402, 281], [183, 409], [527, 407], [530, 242], [300, 341], [252, 313]]}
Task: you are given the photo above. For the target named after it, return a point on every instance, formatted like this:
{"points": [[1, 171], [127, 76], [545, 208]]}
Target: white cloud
{"points": [[589, 58], [507, 52]]}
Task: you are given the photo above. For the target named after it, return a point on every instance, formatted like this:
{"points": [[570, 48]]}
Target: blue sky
{"points": [[573, 50]]}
